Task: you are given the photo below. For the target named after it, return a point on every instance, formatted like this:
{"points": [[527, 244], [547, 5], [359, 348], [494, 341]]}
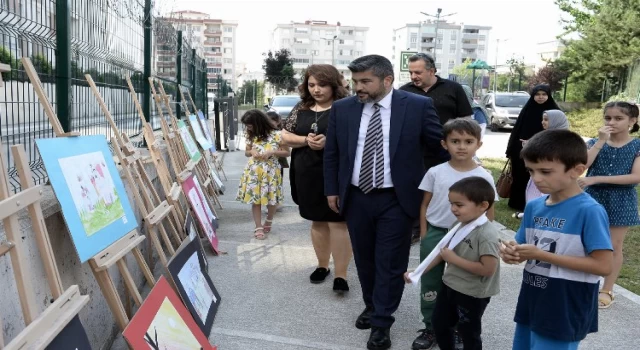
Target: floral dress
{"points": [[260, 182]]}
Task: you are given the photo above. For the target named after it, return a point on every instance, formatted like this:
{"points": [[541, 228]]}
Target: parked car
{"points": [[282, 104], [504, 108]]}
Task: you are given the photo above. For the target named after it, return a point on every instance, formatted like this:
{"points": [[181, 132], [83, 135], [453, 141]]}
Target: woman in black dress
{"points": [[528, 124], [305, 132]]}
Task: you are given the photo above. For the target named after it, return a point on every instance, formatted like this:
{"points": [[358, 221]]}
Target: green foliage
{"points": [[586, 122], [7, 57], [551, 75], [609, 44], [249, 95], [278, 70], [41, 64]]}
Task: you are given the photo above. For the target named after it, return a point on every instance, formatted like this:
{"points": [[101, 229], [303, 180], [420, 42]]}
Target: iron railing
{"points": [[108, 39]]}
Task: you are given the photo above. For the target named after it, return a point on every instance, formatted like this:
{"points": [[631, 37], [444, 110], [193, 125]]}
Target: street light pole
{"points": [[495, 68], [437, 17], [333, 50]]}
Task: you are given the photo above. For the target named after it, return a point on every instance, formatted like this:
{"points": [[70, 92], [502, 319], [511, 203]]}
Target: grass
{"points": [[630, 273]]}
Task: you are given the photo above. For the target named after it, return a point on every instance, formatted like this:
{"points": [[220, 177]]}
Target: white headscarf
{"points": [[557, 119]]}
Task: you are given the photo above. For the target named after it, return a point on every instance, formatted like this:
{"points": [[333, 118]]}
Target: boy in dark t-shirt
{"points": [[564, 237]]}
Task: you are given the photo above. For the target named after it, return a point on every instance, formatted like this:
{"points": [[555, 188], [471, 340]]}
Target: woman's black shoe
{"points": [[340, 285], [319, 275]]}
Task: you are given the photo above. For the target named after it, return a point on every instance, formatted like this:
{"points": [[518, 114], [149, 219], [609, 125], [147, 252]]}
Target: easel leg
{"points": [[112, 298], [144, 267], [129, 283]]}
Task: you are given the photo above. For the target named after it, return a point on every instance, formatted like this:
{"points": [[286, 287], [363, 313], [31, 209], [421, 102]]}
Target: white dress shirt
{"points": [[367, 113]]}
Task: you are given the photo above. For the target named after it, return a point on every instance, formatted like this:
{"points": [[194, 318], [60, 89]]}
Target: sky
{"points": [[519, 24]]}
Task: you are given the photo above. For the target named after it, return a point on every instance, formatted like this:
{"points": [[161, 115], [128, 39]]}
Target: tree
{"points": [[550, 75], [517, 69], [278, 69], [609, 44]]}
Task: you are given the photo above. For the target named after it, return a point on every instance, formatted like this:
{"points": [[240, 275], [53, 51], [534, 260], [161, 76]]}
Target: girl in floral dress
{"points": [[261, 183]]}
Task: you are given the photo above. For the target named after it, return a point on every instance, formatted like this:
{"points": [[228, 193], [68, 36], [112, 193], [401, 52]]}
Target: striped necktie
{"points": [[372, 157]]}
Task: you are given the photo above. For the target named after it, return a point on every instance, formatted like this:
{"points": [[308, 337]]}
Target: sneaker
{"points": [[426, 340], [340, 285]]}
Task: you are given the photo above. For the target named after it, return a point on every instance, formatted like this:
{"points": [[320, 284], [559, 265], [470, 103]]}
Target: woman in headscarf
{"points": [[528, 124], [551, 119]]}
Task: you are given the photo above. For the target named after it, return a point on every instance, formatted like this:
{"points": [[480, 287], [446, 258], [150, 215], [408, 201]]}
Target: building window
{"points": [[214, 70], [228, 40], [414, 38], [357, 53], [228, 29], [228, 60], [228, 50], [301, 51], [344, 62], [438, 65], [227, 71], [316, 43], [439, 51], [301, 30], [359, 44], [452, 49], [345, 53], [341, 42], [329, 42], [315, 52], [454, 35], [300, 60]]}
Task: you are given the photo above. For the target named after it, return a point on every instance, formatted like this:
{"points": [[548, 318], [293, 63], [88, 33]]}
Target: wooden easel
{"points": [[171, 188], [183, 162], [114, 254], [204, 167], [152, 208], [40, 329], [214, 155]]}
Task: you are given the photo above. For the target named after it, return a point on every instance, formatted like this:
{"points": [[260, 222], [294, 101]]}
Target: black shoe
{"points": [[319, 275], [379, 339], [364, 320], [426, 340], [340, 285]]}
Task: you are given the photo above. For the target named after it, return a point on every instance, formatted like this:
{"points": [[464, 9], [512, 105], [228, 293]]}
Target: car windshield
{"points": [[511, 100], [285, 101]]}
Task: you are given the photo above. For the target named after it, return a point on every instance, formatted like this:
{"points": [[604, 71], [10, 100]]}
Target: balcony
{"points": [[212, 43], [470, 36], [212, 32], [469, 46]]}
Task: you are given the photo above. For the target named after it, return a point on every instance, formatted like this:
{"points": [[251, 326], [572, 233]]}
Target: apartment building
{"points": [[548, 51], [450, 43], [316, 42], [216, 40]]}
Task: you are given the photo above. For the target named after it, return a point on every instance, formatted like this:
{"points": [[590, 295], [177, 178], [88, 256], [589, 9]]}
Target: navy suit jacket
{"points": [[414, 124]]}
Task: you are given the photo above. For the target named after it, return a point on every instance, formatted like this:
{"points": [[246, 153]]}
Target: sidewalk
{"points": [[268, 302]]}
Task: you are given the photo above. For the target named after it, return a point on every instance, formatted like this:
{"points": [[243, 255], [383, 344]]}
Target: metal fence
{"points": [[108, 39]]}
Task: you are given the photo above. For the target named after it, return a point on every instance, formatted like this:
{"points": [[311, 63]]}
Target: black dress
{"points": [[306, 171]]}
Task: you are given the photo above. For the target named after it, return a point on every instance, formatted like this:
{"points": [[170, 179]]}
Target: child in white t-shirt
{"points": [[462, 138]]}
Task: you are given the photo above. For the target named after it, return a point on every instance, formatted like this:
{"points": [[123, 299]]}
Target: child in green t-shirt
{"points": [[472, 274]]}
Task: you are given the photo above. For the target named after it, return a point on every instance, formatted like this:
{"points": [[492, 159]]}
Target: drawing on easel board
{"points": [[92, 190], [207, 132], [189, 145], [203, 212], [88, 186], [196, 287], [162, 322], [168, 331], [199, 134]]}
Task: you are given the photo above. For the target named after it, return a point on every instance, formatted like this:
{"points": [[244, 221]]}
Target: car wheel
{"points": [[494, 126]]}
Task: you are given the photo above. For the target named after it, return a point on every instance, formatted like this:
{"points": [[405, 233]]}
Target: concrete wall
{"points": [[96, 316]]}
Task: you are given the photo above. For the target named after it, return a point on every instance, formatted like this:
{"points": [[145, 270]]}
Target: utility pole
{"points": [[495, 67], [333, 49], [437, 17]]}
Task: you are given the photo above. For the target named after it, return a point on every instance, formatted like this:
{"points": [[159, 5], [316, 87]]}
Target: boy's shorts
{"points": [[526, 339]]}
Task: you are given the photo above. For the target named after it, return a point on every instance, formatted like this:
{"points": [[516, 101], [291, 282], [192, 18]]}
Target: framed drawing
{"points": [[87, 183], [207, 133], [189, 145], [194, 285], [219, 184], [198, 133], [162, 322], [190, 230], [204, 215], [73, 336]]}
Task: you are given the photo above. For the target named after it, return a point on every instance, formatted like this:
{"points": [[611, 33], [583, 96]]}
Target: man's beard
{"points": [[373, 97]]}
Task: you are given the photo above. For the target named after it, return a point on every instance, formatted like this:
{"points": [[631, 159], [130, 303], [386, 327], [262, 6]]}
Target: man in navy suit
{"points": [[372, 168]]}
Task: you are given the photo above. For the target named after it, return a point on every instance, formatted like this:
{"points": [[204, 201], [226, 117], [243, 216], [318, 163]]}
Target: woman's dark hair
{"points": [[260, 124], [275, 118], [325, 74], [629, 109], [476, 189]]}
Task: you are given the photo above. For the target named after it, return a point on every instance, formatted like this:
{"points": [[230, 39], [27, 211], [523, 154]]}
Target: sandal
{"points": [[605, 303], [267, 225], [517, 215], [259, 233]]}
